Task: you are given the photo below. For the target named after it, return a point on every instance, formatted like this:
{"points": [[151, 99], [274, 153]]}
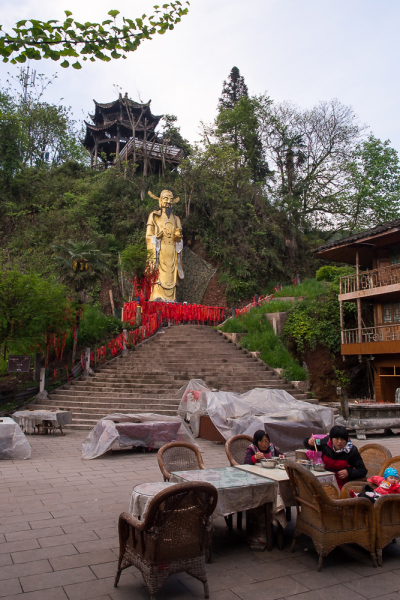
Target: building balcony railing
{"points": [[380, 333], [154, 150], [368, 280]]}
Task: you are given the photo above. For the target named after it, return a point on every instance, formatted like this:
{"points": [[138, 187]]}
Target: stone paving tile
{"points": [[273, 589], [52, 594], [376, 585], [94, 589], [281, 568], [31, 568], [334, 592], [326, 577], [40, 553], [59, 578], [82, 560], [9, 587]]}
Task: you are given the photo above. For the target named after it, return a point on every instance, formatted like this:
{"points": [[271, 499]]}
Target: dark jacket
{"points": [[356, 468], [250, 458]]}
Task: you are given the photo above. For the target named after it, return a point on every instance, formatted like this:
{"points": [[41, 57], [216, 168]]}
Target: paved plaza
{"points": [[59, 541]]}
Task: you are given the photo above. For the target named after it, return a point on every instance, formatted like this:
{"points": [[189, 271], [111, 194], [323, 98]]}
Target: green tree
{"points": [[233, 89], [239, 127], [309, 150], [373, 194], [35, 40], [10, 135], [136, 259], [171, 134], [79, 264], [30, 309]]}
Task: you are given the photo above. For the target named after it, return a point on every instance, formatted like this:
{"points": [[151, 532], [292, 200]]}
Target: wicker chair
{"points": [[327, 521], [172, 537], [387, 515], [178, 456], [374, 457], [387, 521], [392, 462], [236, 447]]}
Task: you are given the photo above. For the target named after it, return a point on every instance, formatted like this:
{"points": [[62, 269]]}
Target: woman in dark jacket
{"points": [[339, 455], [260, 448]]}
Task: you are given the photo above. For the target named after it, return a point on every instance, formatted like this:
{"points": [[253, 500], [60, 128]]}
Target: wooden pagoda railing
{"points": [[370, 279], [154, 150], [380, 333]]}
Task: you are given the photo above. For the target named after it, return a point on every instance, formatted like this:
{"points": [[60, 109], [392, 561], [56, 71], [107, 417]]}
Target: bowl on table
{"points": [[282, 461], [305, 463], [319, 467], [268, 463]]}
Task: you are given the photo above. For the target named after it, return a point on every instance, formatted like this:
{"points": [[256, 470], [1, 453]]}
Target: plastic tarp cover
{"points": [[119, 431], [277, 411], [13, 443]]}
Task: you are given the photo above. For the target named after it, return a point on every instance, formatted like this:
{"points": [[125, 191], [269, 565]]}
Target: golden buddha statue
{"points": [[164, 238]]}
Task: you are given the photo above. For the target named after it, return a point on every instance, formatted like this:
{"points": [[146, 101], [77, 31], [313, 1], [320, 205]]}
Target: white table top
{"points": [[6, 420], [277, 474]]}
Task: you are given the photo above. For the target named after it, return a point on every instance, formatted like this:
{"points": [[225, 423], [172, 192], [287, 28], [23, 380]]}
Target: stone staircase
{"points": [[148, 379]]}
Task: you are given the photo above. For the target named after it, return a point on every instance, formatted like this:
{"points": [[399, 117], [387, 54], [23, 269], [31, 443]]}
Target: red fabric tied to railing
{"points": [[174, 311]]}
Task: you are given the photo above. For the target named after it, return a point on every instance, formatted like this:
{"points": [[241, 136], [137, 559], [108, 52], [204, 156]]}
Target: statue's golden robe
{"points": [[164, 238]]}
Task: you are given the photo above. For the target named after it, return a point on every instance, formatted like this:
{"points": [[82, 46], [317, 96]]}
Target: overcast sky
{"points": [[298, 50]]}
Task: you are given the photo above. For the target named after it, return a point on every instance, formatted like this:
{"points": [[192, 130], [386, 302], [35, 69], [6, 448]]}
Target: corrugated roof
{"points": [[356, 237]]}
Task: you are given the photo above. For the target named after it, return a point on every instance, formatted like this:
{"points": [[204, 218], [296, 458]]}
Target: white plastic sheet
{"points": [[29, 419], [13, 443], [120, 431], [234, 414]]}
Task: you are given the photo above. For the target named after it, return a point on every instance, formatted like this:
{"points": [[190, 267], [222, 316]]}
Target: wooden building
{"points": [[126, 130], [375, 289]]}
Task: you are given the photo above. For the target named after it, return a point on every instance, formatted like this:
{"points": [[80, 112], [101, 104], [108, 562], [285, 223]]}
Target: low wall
{"points": [[278, 321]]}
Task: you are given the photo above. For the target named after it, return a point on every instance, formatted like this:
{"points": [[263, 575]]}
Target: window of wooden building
{"points": [[387, 313], [394, 255]]}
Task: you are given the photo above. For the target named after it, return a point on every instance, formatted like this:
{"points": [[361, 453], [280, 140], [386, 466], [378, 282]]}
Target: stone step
{"points": [[149, 378], [75, 404]]}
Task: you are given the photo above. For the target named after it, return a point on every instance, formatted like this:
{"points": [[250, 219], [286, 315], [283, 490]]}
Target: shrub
{"points": [[261, 338]]}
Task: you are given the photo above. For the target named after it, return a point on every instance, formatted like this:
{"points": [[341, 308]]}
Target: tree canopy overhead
{"points": [[35, 39]]}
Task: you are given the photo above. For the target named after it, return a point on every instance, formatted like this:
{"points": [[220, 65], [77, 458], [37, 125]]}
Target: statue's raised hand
{"points": [[160, 234], [177, 235]]}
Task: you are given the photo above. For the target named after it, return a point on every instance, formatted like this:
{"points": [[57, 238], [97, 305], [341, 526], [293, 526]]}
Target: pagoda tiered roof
{"points": [[122, 128]]}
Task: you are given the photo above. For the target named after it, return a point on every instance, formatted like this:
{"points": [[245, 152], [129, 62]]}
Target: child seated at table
{"points": [[339, 455], [261, 448], [388, 484]]}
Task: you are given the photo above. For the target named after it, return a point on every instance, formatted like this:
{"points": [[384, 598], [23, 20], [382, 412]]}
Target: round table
{"points": [[143, 494]]}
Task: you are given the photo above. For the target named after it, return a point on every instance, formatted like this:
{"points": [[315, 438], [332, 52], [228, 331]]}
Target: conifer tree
{"points": [[234, 89], [238, 124]]}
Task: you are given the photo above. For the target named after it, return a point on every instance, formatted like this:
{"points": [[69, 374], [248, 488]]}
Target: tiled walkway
{"points": [[58, 537]]}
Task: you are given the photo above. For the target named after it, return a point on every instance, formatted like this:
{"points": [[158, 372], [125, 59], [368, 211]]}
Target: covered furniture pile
{"points": [[288, 420], [124, 431]]}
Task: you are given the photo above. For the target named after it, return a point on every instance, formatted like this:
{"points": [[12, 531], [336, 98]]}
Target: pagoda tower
{"points": [[125, 130]]}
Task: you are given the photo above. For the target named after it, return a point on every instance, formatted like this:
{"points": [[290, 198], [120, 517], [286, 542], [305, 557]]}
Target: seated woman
{"points": [[260, 448], [339, 455]]}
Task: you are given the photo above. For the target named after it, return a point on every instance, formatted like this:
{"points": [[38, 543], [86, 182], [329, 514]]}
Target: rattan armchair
{"points": [[392, 462], [178, 456], [236, 447], [329, 522], [171, 538], [374, 457], [387, 522]]}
